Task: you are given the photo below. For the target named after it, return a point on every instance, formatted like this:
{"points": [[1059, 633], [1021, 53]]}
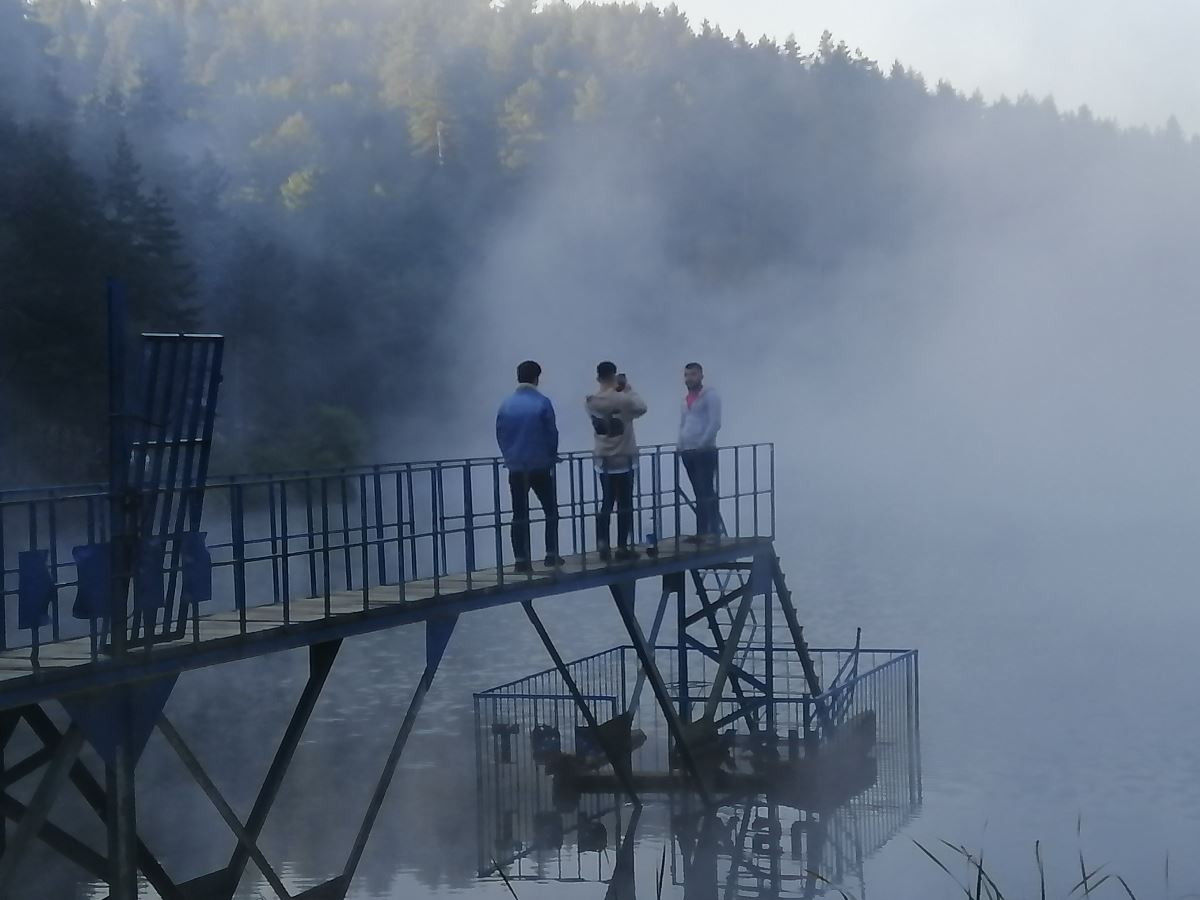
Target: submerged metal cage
{"points": [[772, 845]]}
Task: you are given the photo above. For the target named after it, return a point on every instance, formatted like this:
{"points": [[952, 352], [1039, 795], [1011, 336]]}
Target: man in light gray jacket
{"points": [[698, 426]]}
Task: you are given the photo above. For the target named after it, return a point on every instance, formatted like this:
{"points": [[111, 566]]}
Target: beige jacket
{"points": [[616, 452]]}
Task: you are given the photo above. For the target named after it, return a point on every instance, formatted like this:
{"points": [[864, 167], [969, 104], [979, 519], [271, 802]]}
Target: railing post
{"points": [[365, 535], [435, 528], [678, 499], [380, 554], [772, 459], [325, 540], [497, 520], [285, 562], [737, 489], [469, 522], [238, 535]]}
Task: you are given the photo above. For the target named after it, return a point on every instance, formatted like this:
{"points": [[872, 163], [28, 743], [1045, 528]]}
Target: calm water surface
{"points": [[1058, 703]]}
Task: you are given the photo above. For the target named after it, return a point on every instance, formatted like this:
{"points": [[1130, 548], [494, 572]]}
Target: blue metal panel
{"points": [[93, 564], [197, 568], [35, 588]]}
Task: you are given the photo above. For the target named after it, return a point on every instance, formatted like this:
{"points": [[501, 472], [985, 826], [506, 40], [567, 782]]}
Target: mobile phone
{"points": [[621, 381]]}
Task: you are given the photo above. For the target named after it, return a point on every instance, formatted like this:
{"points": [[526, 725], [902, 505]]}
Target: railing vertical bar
{"points": [[286, 554], [469, 523], [434, 523], [412, 524], [312, 542], [52, 526], [772, 494], [381, 550], [737, 489], [400, 573], [574, 511], [237, 531], [347, 564], [678, 501], [325, 540], [3, 587], [755, 495], [366, 555], [717, 488], [273, 515], [441, 520], [498, 522]]}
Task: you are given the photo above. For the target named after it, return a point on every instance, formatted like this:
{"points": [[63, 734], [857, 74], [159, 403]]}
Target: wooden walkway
{"points": [[66, 667]]}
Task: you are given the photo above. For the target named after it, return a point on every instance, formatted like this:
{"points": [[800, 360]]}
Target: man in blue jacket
{"points": [[528, 439]]}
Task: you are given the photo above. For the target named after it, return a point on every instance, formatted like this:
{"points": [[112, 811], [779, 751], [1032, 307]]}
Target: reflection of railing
{"points": [[274, 538]]}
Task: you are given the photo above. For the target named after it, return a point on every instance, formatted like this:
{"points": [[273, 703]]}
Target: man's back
{"points": [[526, 430]]}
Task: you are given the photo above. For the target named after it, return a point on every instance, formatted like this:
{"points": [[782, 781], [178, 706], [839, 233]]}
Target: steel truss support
{"points": [[797, 634], [437, 636], [673, 585], [623, 885], [618, 761], [224, 882], [66, 752], [196, 770], [625, 593], [101, 803], [708, 612]]}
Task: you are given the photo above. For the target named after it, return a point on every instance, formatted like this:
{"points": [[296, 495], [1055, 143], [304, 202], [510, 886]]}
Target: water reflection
{"points": [[799, 813]]}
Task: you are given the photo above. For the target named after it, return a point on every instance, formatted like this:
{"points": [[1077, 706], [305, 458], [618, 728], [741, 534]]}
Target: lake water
{"points": [[1058, 704]]}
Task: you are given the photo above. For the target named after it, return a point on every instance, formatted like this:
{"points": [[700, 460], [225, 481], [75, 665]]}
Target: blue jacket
{"points": [[526, 430]]}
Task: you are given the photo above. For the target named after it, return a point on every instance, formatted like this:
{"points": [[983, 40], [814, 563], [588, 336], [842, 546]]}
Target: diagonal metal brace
{"points": [[44, 796], [175, 739], [437, 635], [624, 594], [65, 844], [321, 658], [97, 798], [615, 759]]}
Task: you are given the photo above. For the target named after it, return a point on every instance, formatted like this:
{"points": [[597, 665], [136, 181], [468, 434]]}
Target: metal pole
{"points": [[615, 759]]}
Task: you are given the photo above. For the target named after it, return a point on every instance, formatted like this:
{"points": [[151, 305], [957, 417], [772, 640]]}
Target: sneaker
{"points": [[553, 561], [626, 553], [522, 566], [604, 553]]}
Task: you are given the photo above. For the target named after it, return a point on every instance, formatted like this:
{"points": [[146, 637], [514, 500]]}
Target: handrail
{"points": [[277, 537]]}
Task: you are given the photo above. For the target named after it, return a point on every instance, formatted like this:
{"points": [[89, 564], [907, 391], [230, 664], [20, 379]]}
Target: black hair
{"points": [[694, 365], [606, 370], [528, 372]]}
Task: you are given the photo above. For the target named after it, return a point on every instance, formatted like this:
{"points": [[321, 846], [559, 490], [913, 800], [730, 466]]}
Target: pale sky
{"points": [[1136, 62]]}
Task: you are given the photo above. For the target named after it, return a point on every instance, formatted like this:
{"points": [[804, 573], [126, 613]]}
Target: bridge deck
{"points": [[66, 667]]}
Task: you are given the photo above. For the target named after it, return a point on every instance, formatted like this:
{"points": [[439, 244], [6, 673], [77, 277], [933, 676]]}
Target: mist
{"points": [[967, 326]]}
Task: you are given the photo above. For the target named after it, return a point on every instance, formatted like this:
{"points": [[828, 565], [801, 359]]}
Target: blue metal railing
{"points": [[278, 537]]}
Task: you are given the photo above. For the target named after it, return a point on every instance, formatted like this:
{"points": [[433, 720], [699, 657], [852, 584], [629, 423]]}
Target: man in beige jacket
{"points": [[612, 409]]}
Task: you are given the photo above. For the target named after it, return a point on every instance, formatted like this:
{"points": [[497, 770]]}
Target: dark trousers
{"points": [[701, 467], [617, 488], [541, 482]]}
